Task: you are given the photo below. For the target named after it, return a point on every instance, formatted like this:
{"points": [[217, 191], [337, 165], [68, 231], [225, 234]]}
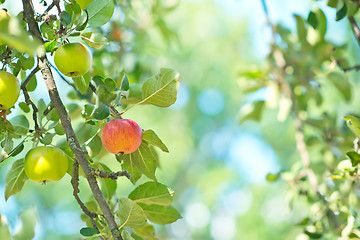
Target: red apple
{"points": [[121, 136]]}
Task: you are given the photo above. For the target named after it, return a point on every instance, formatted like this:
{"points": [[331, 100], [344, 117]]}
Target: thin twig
{"points": [[75, 184], [355, 28], [28, 100], [280, 77], [111, 175], [53, 4]]}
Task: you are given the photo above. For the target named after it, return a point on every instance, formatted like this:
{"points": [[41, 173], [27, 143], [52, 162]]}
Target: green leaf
{"points": [[161, 89], [341, 13], [101, 111], [124, 83], [20, 124], [252, 111], [50, 46], [65, 19], [147, 232], [82, 83], [15, 178], [49, 31], [126, 235], [312, 19], [130, 214], [151, 138], [100, 12], [313, 235], [161, 214], [18, 149], [24, 107], [32, 84], [300, 28], [89, 231], [152, 193], [95, 40], [4, 229], [341, 82], [83, 21], [28, 222], [142, 161], [93, 146], [47, 138], [354, 157], [272, 177]]}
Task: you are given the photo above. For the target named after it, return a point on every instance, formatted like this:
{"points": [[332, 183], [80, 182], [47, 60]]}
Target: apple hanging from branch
{"points": [[46, 164], [73, 59], [121, 136]]}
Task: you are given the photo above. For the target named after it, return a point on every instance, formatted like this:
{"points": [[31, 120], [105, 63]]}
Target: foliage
{"points": [[96, 97], [306, 72]]}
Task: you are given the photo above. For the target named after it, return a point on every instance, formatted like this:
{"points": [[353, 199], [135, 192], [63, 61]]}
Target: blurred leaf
{"points": [[95, 40], [251, 111], [4, 229], [150, 137], [160, 214], [353, 123], [12, 34], [301, 29], [100, 12], [312, 19], [152, 193], [88, 231], [28, 222], [341, 13], [15, 178], [272, 177], [341, 82], [313, 235], [161, 89], [130, 214]]}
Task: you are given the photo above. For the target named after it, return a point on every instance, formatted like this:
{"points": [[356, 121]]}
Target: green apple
{"points": [[73, 59], [9, 90], [121, 136], [46, 164], [83, 3]]}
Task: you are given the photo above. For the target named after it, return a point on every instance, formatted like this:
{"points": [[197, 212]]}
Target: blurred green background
{"points": [[216, 165]]}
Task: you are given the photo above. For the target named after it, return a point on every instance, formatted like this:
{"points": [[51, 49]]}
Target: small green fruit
{"points": [[9, 90], [46, 164], [73, 59]]}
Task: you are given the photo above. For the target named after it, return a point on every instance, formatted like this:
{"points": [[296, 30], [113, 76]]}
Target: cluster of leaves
{"points": [[303, 68], [95, 99]]}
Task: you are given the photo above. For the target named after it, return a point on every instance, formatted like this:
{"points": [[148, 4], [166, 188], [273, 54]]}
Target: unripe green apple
{"points": [[9, 90], [46, 164], [121, 136], [3, 14], [83, 3], [73, 59]]}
